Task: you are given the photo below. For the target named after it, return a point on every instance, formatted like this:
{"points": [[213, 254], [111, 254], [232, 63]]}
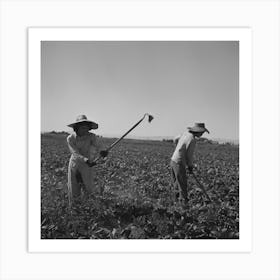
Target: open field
{"points": [[136, 198]]}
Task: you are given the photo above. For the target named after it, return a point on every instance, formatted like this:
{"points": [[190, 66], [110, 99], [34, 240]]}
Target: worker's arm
{"points": [[176, 139], [74, 150], [190, 155]]}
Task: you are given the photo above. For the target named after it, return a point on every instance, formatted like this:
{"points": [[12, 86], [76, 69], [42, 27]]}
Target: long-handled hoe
{"points": [[201, 187], [150, 118]]}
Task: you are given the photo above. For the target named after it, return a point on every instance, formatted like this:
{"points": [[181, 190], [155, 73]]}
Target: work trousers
{"points": [[179, 178], [80, 175]]}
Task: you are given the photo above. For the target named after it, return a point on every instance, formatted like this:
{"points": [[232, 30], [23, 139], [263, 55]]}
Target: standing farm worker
{"points": [[84, 147], [182, 157]]}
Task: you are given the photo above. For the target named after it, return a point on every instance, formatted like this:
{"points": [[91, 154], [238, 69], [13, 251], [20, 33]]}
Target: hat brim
{"points": [[198, 129], [91, 124]]}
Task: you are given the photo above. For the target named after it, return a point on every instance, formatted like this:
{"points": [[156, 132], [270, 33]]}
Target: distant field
{"points": [[135, 200]]}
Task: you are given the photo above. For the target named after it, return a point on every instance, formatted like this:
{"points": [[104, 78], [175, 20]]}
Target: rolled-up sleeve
{"points": [[74, 150], [176, 139]]}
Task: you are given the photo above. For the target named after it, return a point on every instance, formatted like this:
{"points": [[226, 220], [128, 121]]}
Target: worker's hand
{"points": [[190, 168], [104, 153], [93, 163], [90, 163]]}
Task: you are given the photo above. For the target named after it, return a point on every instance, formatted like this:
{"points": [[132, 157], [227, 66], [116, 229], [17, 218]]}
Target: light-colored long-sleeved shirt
{"points": [[184, 150], [84, 147]]}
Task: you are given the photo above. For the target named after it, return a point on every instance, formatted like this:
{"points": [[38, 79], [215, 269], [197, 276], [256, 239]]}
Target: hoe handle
{"points": [[201, 187], [118, 140]]}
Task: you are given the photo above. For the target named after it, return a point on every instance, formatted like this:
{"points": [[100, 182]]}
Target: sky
{"points": [[115, 83]]}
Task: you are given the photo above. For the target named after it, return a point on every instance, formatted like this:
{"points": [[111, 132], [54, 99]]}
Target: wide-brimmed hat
{"points": [[198, 127], [83, 119]]}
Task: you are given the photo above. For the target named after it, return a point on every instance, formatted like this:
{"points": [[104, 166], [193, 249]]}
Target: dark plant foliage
{"points": [[135, 198]]}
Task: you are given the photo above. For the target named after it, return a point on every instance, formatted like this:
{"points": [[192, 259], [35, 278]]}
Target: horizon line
{"points": [[133, 136]]}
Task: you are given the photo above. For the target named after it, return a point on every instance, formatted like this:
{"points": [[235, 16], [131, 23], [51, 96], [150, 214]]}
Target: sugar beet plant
{"points": [[135, 197]]}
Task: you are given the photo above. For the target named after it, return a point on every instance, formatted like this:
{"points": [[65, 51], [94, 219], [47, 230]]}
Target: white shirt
{"points": [[84, 147], [184, 151]]}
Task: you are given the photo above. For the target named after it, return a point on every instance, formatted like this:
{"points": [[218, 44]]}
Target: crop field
{"points": [[135, 198]]}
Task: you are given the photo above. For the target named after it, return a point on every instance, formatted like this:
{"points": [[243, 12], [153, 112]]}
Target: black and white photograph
{"points": [[140, 139]]}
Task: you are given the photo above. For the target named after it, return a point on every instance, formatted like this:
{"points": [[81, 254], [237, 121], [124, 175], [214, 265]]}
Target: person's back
{"points": [[183, 157], [183, 153]]}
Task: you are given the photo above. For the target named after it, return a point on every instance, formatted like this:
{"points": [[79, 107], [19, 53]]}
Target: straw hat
{"points": [[83, 119], [198, 127]]}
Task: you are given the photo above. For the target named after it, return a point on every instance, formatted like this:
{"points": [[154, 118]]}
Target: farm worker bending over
{"points": [[183, 157], [84, 147]]}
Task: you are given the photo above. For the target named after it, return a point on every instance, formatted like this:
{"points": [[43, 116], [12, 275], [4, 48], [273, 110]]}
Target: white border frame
{"points": [[243, 35]]}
